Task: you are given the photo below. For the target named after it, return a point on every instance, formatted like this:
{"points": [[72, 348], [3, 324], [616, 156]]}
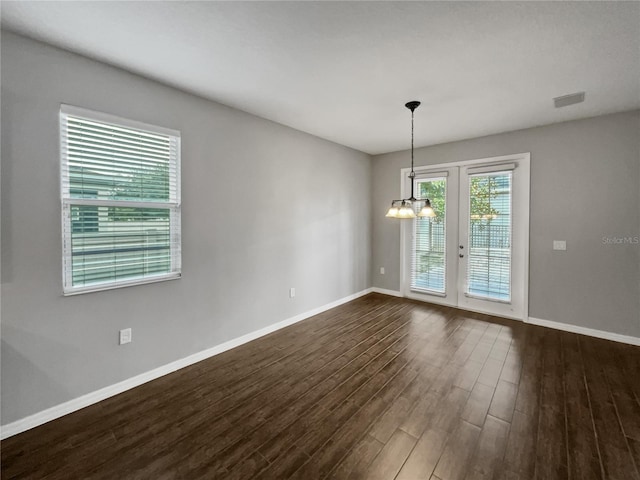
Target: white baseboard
{"points": [[75, 404], [384, 291], [591, 332], [567, 327]]}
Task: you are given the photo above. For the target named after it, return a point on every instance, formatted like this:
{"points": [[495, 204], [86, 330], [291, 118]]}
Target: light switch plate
{"points": [[559, 244]]}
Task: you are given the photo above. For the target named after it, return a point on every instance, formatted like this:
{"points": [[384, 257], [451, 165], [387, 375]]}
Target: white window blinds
{"points": [[490, 231], [120, 185], [428, 262]]}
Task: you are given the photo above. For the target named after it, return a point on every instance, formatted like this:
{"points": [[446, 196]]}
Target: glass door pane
{"points": [[428, 263], [474, 254], [490, 234]]}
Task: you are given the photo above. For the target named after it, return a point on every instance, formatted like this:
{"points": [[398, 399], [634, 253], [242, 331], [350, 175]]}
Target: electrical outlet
{"points": [[292, 292], [125, 336], [559, 244], [381, 270]]}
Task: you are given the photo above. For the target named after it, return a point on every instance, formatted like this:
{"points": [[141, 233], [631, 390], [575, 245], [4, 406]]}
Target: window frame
{"points": [[66, 201]]}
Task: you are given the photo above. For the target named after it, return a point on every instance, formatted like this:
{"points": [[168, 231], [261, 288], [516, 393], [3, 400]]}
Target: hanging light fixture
{"points": [[406, 208]]}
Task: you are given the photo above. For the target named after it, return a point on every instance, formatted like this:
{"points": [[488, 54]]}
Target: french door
{"points": [[474, 253]]}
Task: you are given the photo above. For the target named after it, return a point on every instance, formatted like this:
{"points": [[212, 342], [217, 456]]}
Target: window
{"points": [[428, 266], [489, 255], [120, 186]]}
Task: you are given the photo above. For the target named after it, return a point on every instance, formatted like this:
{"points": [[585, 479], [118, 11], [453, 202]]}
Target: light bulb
{"points": [[406, 212], [427, 211]]}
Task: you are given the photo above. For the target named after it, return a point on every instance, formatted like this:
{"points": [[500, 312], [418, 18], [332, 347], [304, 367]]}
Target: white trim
{"points": [[489, 312], [502, 167], [499, 163], [436, 300], [384, 291], [443, 302], [83, 401], [98, 202], [116, 120], [430, 174], [459, 163], [173, 203], [517, 306], [125, 283], [451, 249], [567, 327], [591, 332]]}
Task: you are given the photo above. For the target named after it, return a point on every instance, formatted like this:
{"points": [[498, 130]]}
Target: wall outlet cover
{"points": [[559, 244]]}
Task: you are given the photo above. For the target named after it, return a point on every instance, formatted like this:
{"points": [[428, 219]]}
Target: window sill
{"points": [[130, 283]]}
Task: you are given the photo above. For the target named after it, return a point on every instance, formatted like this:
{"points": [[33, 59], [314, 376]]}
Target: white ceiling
{"points": [[343, 70]]}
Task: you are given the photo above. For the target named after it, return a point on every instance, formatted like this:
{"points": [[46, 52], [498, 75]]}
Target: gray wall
{"points": [[585, 185], [241, 256], [265, 208]]}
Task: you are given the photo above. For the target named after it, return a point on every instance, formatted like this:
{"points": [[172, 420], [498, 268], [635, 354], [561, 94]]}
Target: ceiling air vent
{"points": [[566, 100]]}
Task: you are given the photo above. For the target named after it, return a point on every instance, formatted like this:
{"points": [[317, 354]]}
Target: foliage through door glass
{"points": [[428, 266]]}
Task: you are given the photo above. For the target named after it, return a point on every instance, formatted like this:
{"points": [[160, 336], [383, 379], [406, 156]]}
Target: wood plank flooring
{"points": [[379, 388]]}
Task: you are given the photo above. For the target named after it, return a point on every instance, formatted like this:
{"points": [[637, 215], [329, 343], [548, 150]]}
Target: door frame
{"points": [[524, 160], [406, 234]]}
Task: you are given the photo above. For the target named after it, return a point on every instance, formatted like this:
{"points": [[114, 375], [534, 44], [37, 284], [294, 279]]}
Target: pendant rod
{"points": [[412, 106], [412, 174]]}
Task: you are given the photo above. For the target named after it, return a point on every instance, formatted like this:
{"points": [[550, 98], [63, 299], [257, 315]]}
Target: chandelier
{"points": [[407, 207]]}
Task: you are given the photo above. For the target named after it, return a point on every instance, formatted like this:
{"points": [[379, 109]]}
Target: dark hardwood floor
{"points": [[379, 388]]}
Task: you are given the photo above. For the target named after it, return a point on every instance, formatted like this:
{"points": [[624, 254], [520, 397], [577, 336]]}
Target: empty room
{"points": [[320, 240]]}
